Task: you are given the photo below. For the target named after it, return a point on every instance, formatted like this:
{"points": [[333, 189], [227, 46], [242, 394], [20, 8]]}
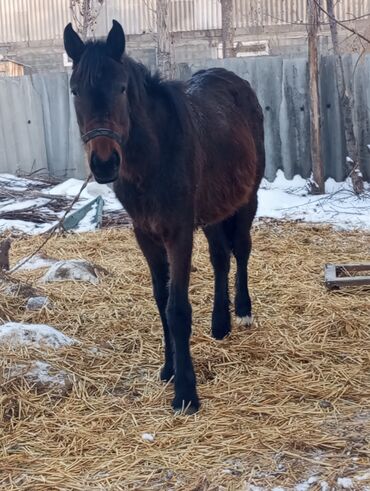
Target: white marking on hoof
{"points": [[244, 321]]}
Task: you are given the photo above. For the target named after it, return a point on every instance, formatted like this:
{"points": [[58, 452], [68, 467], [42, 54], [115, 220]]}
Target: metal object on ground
{"points": [[342, 275], [73, 219]]}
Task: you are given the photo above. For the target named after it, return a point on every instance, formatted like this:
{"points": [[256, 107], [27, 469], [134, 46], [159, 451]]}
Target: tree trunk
{"points": [[347, 104], [318, 185], [164, 40], [85, 14], [85, 19], [227, 13]]}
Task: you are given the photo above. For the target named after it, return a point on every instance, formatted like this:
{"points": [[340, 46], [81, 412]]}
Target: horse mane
{"points": [[143, 82], [89, 68]]}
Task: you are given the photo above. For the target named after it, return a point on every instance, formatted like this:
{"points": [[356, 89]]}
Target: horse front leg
{"points": [[179, 317], [156, 256]]}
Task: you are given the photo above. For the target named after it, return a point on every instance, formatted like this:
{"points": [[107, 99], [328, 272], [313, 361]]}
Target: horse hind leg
{"points": [[241, 247], [220, 251]]}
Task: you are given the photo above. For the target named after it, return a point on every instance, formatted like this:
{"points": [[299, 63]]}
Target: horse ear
{"points": [[73, 44], [116, 41]]}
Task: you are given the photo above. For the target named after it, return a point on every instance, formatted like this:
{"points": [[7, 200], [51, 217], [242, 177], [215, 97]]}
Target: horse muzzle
{"points": [[105, 153], [105, 171]]}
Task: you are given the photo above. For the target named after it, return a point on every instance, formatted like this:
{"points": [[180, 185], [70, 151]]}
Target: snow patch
{"points": [[363, 477], [148, 437], [36, 335], [29, 228], [42, 375], [290, 200], [37, 303], [345, 482], [36, 262], [71, 188], [306, 485], [71, 270], [39, 371]]}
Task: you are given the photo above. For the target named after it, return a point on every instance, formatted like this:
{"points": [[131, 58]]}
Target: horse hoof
{"points": [[220, 333], [186, 407], [166, 374], [247, 320]]}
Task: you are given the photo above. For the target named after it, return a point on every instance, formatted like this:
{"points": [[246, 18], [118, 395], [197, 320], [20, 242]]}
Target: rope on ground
{"points": [[54, 228]]}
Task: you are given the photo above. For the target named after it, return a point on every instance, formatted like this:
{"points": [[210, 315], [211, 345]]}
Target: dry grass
{"points": [[283, 401]]}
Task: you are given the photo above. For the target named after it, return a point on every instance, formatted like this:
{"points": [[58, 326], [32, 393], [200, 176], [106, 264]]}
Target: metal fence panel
{"points": [[22, 138], [282, 88]]}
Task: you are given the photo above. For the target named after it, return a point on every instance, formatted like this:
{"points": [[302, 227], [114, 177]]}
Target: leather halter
{"points": [[108, 133]]}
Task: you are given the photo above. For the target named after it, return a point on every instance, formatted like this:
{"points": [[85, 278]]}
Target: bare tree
{"points": [[347, 103], [227, 13], [318, 184], [85, 14], [165, 59]]}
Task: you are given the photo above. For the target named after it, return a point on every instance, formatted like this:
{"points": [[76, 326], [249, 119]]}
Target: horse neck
{"points": [[160, 123], [143, 148]]}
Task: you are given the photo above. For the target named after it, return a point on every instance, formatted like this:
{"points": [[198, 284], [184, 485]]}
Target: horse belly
{"points": [[223, 189]]}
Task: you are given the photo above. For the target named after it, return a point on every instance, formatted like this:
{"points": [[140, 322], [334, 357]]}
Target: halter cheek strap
{"points": [[108, 133]]}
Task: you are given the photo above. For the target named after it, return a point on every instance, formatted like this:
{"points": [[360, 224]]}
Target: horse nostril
{"points": [[115, 158], [95, 162], [105, 170]]}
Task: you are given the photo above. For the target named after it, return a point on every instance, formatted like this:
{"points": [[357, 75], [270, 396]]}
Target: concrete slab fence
{"points": [[38, 129]]}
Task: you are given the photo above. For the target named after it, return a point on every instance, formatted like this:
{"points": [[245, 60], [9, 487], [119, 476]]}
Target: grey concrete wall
{"points": [[38, 127], [189, 46]]}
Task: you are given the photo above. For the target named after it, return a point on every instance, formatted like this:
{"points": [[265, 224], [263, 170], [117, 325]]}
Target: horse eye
{"points": [[74, 92], [123, 89]]}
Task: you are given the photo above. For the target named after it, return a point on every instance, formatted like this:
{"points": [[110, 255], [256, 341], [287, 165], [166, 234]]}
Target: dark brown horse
{"points": [[181, 155]]}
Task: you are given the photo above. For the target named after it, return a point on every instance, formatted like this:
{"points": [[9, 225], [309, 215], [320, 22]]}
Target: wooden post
{"points": [[4, 254], [347, 103], [227, 12], [318, 186]]}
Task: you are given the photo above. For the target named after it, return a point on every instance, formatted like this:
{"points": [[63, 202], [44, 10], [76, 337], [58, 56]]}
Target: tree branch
{"points": [[340, 23]]}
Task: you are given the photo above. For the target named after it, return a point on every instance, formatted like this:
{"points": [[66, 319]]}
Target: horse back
{"points": [[230, 160]]}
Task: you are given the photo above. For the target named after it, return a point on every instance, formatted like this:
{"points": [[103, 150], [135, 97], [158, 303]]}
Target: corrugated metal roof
{"points": [[13, 21], [46, 19], [42, 20]]}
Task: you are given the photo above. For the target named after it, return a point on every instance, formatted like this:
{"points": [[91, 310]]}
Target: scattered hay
{"points": [[39, 376], [283, 401]]}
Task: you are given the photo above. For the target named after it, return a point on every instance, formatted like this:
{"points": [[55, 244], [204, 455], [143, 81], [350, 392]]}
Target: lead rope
{"points": [[54, 229]]}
